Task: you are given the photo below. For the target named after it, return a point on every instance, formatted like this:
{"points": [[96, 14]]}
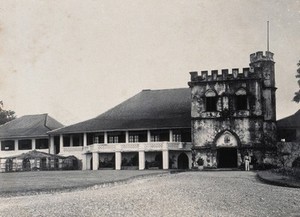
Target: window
{"points": [[42, 144], [8, 145], [133, 138], [241, 101], [211, 101], [154, 138], [25, 144], [113, 139], [176, 137]]}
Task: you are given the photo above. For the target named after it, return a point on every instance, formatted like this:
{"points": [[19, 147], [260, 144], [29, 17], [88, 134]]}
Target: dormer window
{"points": [[211, 100], [241, 100]]}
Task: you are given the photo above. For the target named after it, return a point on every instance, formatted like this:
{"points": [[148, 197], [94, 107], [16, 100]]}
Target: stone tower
{"points": [[234, 113]]}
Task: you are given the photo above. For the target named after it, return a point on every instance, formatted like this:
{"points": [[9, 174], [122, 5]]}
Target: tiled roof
{"points": [[29, 126], [292, 121], [149, 109]]}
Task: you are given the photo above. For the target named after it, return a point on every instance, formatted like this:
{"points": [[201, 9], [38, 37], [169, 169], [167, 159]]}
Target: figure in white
{"points": [[247, 162]]}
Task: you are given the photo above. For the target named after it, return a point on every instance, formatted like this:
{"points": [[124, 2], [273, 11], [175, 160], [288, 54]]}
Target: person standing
{"points": [[247, 162]]}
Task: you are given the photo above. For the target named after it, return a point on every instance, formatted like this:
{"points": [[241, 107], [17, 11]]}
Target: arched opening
{"points": [[26, 166], [183, 161], [8, 165], [227, 157], [226, 144]]}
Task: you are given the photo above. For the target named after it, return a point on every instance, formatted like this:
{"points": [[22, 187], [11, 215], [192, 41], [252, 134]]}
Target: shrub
{"points": [[296, 163]]}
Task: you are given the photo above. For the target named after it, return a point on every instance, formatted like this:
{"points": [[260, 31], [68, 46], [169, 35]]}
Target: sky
{"points": [[76, 59]]}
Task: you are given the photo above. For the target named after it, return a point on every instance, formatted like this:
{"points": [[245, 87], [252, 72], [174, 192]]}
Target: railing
{"points": [[73, 148], [133, 147]]}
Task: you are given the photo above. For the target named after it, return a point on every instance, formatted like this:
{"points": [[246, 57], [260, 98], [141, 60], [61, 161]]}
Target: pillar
{"points": [[118, 160], [95, 160], [126, 137], [165, 156], [61, 143], [33, 144], [84, 162], [51, 147], [141, 160], [105, 138], [171, 135], [148, 136], [84, 139], [16, 145]]}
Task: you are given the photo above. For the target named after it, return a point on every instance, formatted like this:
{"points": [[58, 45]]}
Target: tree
{"points": [[6, 115], [297, 94]]}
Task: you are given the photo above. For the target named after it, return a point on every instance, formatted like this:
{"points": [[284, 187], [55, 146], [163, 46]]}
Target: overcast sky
{"points": [[76, 59]]}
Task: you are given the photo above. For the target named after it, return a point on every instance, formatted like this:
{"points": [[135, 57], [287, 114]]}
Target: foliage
{"points": [[200, 162], [6, 115], [297, 94]]}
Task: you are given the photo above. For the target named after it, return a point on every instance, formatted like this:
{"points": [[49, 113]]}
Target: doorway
{"points": [[227, 157], [183, 161]]}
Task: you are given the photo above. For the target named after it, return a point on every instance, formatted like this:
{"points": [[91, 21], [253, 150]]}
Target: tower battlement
{"points": [[224, 74], [259, 56]]}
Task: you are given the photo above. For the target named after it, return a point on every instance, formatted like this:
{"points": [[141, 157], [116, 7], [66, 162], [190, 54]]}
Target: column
{"points": [[16, 145], [126, 137], [171, 135], [84, 162], [51, 147], [148, 136], [61, 143], [118, 158], [84, 139], [165, 156], [141, 160], [71, 141], [105, 138], [33, 144], [95, 160]]}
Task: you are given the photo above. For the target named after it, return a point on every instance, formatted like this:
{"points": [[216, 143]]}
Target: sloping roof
{"points": [[29, 126], [292, 121], [149, 109]]}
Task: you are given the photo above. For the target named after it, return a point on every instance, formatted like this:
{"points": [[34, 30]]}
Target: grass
{"points": [[279, 179], [19, 183]]}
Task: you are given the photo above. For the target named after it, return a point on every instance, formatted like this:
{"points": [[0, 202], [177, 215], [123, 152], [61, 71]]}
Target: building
{"points": [[150, 130], [289, 128], [22, 135], [234, 113]]}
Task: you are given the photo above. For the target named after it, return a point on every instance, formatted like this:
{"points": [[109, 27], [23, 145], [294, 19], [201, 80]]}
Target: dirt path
{"points": [[183, 194]]}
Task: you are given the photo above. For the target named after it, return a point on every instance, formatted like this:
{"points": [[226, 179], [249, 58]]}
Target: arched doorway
{"points": [[8, 165], [26, 165], [226, 144], [227, 157], [183, 161]]}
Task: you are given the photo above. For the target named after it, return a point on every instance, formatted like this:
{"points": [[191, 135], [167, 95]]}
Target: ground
{"points": [[233, 193]]}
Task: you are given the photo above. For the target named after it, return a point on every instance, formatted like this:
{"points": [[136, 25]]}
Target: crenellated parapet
{"points": [[261, 56], [224, 74]]}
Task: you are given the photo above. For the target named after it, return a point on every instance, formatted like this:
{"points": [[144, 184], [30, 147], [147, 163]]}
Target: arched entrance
{"points": [[226, 145], [26, 166], [183, 161], [8, 165], [227, 157]]}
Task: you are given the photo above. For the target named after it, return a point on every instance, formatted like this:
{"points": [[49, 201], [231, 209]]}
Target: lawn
{"points": [[19, 183]]}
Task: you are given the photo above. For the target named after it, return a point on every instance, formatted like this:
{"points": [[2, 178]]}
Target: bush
{"points": [[200, 162], [266, 166], [296, 163]]}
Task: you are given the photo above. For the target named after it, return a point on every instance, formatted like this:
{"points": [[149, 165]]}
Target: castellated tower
{"points": [[233, 113]]}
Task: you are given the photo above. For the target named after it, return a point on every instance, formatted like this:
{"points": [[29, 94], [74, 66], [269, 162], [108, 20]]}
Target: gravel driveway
{"points": [[182, 194]]}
